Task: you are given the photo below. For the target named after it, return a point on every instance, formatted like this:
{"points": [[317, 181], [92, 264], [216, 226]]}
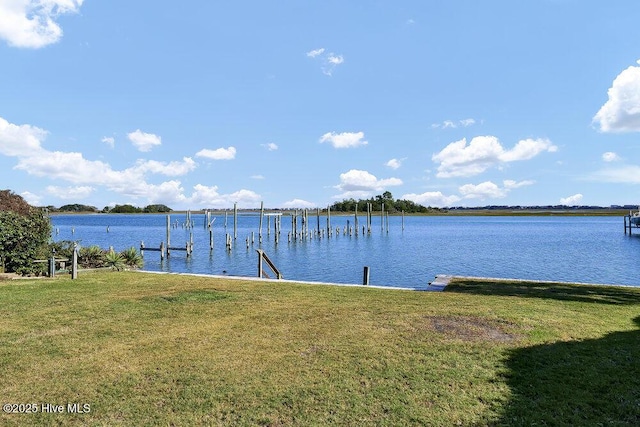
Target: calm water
{"points": [[578, 249]]}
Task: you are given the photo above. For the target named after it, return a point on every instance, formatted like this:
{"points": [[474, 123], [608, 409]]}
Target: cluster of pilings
{"points": [[301, 227]]}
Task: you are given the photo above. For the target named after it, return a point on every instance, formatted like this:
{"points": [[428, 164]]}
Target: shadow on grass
{"points": [[586, 383], [618, 295]]}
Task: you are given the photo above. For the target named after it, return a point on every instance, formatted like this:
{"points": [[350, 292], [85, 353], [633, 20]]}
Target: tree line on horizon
{"points": [[77, 207], [391, 205]]}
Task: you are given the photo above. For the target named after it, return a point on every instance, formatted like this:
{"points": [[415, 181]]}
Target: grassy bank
{"points": [[145, 349]]}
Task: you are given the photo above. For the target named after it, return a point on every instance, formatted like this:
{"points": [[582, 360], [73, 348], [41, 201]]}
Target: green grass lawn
{"points": [[147, 349]]}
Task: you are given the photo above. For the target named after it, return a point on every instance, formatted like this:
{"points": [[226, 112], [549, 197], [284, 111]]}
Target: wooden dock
{"points": [[438, 284]]}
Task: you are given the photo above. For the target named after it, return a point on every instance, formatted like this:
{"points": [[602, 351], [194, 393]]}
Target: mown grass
{"points": [[148, 349]]}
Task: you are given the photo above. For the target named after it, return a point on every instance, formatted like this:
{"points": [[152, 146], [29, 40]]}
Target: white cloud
{"points": [[144, 141], [483, 152], [71, 167], [621, 112], [335, 59], [209, 197], [70, 193], [315, 52], [32, 199], [571, 200], [174, 168], [432, 198], [110, 141], [299, 203], [22, 140], [511, 184], [490, 190], [218, 154], [450, 124], [329, 61], [625, 175], [270, 146], [32, 23], [610, 156], [259, 177], [484, 190], [359, 180], [345, 139], [25, 143], [394, 163]]}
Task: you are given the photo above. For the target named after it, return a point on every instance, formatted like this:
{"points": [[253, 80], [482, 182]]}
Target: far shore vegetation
{"points": [[391, 205], [150, 349]]}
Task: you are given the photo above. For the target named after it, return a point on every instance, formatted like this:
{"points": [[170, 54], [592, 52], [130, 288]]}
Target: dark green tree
{"points": [[24, 233], [157, 209], [125, 209]]}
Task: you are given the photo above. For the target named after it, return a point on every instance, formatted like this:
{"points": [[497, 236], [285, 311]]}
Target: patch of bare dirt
{"points": [[472, 328]]}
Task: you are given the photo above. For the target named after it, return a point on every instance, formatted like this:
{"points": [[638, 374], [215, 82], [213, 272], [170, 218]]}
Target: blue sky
{"points": [[202, 104]]}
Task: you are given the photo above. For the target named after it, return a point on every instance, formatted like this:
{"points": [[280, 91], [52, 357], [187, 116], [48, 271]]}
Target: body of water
{"points": [[560, 248]]}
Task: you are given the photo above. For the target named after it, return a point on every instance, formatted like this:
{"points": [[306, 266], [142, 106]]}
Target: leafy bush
{"points": [[22, 238]]}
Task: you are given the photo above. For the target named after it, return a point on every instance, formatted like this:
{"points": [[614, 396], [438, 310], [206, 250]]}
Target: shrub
{"points": [[132, 258], [114, 260], [22, 238]]}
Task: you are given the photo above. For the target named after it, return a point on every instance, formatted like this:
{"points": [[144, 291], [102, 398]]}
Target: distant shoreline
{"points": [[481, 211]]}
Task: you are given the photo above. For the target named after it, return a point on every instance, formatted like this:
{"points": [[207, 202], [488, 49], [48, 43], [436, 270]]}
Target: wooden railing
{"points": [[263, 258]]}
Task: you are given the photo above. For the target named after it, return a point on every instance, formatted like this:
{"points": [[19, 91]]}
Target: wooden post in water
{"points": [[162, 250], [168, 234], [355, 218], [235, 220], [403, 220], [261, 216], [328, 221], [365, 276]]}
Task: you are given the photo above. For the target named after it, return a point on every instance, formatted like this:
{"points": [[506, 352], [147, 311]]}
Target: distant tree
{"points": [[390, 204], [77, 208], [157, 209], [24, 233], [125, 209]]}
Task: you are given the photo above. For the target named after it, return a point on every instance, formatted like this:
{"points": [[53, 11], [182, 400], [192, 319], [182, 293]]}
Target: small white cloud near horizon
{"points": [[32, 199], [32, 23], [218, 154], [144, 141], [610, 156], [572, 200], [258, 177], [490, 190], [621, 112], [270, 146], [360, 180], [483, 152], [344, 139], [432, 198], [299, 203], [110, 141], [70, 193]]}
